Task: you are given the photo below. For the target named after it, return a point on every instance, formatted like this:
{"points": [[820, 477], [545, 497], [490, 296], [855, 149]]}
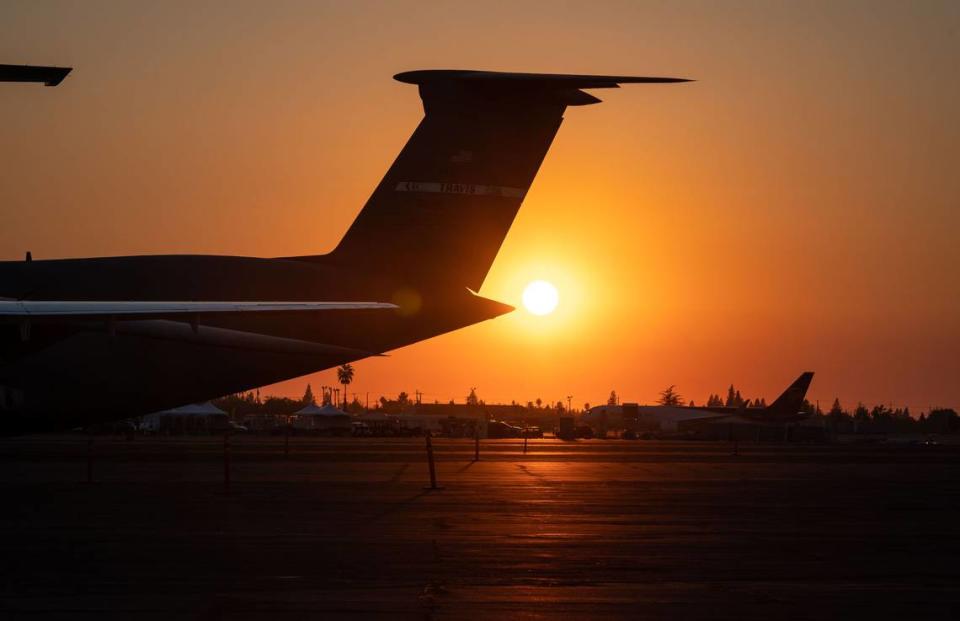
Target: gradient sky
{"points": [[796, 208]]}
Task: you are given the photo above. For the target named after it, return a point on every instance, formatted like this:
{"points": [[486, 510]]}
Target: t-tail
{"points": [[437, 219], [788, 404]]}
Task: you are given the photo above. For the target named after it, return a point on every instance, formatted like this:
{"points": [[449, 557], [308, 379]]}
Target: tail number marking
{"points": [[460, 188]]}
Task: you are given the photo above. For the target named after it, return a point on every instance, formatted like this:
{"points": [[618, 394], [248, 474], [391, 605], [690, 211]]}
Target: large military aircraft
{"points": [[90, 340], [670, 418]]}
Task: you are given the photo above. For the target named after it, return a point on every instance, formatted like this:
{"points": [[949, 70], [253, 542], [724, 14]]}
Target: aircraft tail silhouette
{"points": [[441, 212], [789, 403]]}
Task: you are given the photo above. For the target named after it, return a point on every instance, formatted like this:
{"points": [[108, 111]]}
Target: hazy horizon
{"points": [[794, 209]]}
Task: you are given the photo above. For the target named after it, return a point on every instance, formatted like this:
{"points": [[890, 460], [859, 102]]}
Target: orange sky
{"points": [[796, 208]]}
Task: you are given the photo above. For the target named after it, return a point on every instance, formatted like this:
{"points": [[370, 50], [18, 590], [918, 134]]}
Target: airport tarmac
{"points": [[342, 528]]}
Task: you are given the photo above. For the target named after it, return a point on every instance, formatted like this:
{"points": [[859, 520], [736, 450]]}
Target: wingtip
{"points": [[60, 77], [47, 75]]}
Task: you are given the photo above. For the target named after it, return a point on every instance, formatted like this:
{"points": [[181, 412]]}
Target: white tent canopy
{"points": [[188, 418], [326, 410], [325, 418], [194, 409]]}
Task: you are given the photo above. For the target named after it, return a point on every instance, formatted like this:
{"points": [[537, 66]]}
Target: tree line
{"points": [[879, 418], [886, 419], [670, 396]]}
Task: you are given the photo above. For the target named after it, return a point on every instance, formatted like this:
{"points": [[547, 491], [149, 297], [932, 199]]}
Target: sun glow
{"points": [[540, 297]]}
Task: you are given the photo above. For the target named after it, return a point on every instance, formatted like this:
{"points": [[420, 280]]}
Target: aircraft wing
{"points": [[29, 309]]}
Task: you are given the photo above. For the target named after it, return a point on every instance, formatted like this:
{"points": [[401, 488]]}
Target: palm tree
{"points": [[345, 376]]}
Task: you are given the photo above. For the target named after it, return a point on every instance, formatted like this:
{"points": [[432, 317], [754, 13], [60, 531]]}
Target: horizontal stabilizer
{"points": [[544, 80], [559, 88], [49, 76]]}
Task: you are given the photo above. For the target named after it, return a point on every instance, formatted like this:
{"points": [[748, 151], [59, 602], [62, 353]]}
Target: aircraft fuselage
{"points": [[132, 368]]}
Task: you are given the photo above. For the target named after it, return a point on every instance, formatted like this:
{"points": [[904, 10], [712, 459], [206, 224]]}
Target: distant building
{"points": [[457, 420], [376, 424]]}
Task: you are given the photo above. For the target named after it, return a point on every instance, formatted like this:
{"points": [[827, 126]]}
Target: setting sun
{"points": [[540, 297]]}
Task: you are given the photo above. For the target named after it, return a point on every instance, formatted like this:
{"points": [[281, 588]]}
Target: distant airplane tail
{"points": [[440, 214], [789, 403]]}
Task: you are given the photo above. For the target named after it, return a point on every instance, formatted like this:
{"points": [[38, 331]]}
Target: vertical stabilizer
{"points": [[439, 215], [790, 402]]}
